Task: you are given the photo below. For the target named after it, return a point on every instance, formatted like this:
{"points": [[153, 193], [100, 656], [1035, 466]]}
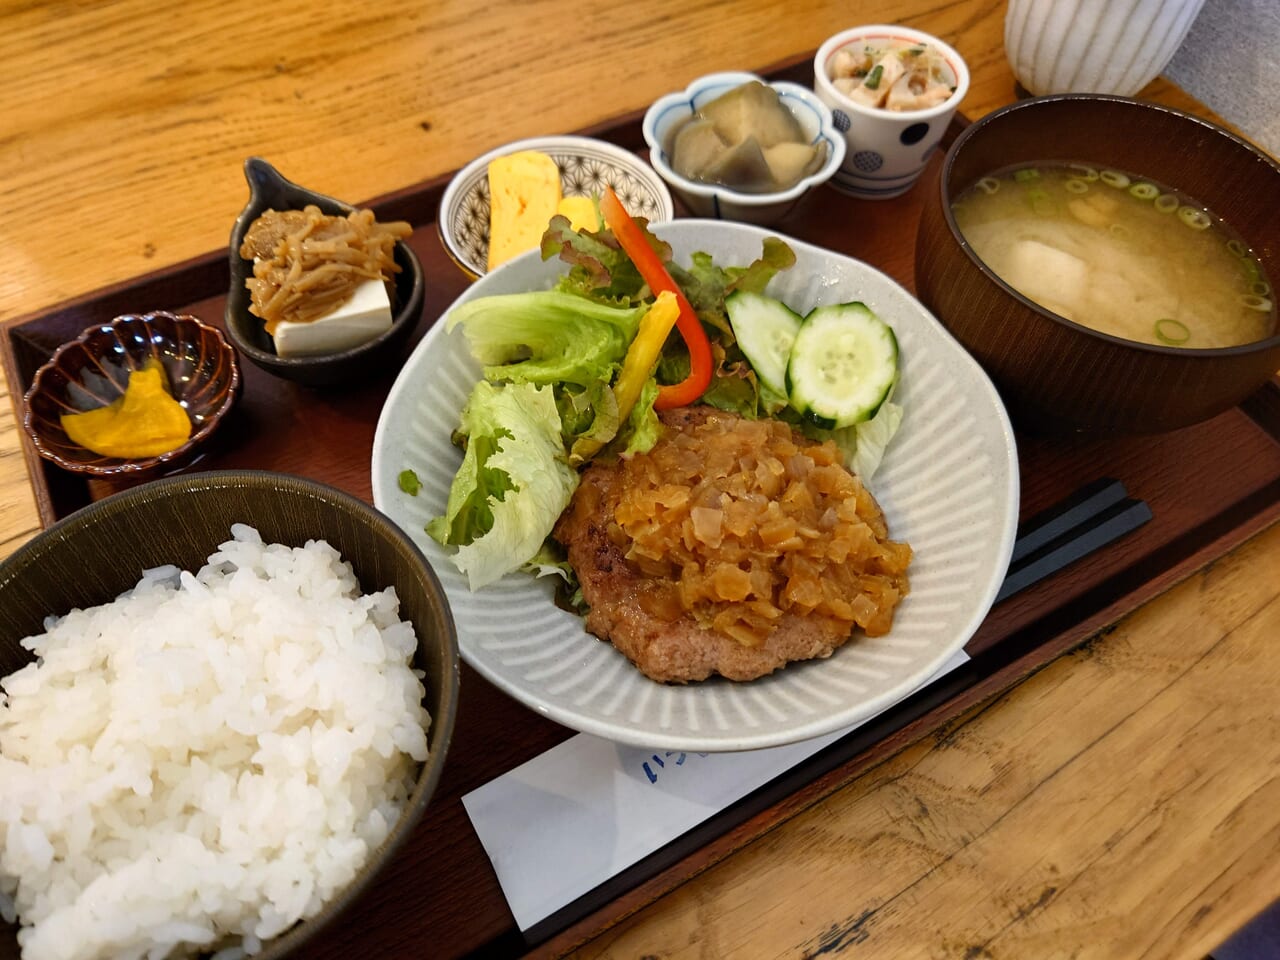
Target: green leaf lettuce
{"points": [[513, 484]]}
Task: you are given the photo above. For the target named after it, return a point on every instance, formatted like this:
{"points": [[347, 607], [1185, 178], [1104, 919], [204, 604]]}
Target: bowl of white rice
{"points": [[225, 701]]}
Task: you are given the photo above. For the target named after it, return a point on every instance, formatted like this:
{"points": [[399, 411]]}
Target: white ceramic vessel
{"points": [[886, 150], [1093, 46], [948, 486], [718, 201]]}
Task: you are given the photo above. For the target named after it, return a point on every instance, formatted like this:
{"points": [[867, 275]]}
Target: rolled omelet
{"points": [[524, 194]]}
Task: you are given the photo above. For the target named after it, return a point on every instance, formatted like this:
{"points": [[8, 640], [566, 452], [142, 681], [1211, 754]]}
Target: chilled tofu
{"points": [[366, 315], [524, 192], [1047, 275]]}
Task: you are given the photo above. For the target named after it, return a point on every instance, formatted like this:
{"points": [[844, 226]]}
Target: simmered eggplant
{"points": [[745, 139]]}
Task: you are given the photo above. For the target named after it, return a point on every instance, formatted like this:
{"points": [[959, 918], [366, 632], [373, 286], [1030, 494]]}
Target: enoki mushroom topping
{"points": [[306, 263]]}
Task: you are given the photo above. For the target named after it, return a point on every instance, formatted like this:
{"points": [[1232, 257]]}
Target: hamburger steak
{"points": [[733, 546]]}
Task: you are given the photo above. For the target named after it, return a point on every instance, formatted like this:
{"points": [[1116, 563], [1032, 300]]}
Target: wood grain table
{"points": [[1123, 802]]}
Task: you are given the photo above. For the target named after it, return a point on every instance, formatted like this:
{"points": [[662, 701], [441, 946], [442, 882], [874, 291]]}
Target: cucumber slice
{"points": [[843, 364], [765, 328]]}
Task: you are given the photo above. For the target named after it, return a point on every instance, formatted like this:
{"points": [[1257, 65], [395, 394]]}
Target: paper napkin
{"points": [[571, 818]]}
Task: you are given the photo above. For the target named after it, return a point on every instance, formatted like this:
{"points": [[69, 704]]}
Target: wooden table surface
{"points": [[1123, 802]]}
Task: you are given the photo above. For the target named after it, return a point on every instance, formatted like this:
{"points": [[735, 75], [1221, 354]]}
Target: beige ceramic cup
{"points": [[1093, 46], [887, 150]]}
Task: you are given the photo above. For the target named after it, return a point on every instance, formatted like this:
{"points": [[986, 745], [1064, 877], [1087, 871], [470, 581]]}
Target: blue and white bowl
{"points": [[586, 166], [720, 202], [887, 150]]}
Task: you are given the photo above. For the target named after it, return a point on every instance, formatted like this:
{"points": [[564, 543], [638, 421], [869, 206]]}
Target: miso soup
{"points": [[1119, 253]]}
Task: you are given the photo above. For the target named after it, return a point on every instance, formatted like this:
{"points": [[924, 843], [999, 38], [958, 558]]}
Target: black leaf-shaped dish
{"points": [[93, 370], [268, 190]]}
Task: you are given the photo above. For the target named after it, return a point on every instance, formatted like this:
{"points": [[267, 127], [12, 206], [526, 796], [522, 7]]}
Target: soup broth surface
{"points": [[1119, 253]]}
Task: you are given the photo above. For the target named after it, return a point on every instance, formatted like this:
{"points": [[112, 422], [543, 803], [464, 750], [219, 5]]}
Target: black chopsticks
{"points": [[1089, 519]]}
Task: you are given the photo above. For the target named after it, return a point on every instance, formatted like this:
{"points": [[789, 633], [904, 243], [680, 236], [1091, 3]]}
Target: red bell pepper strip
{"points": [[633, 243]]}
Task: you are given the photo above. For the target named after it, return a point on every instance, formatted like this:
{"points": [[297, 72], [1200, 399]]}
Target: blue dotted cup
{"points": [[887, 147]]}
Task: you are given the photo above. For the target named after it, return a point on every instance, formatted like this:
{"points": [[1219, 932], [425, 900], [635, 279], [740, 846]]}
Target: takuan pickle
{"points": [[145, 421]]}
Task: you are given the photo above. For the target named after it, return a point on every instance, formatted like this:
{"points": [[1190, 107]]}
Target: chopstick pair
{"points": [[1091, 518]]}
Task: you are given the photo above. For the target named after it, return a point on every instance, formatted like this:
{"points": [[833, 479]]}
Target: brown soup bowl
{"points": [[1056, 376]]}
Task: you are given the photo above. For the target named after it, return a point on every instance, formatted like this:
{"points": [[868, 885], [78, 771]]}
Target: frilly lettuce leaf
{"points": [[873, 439], [513, 484], [599, 270], [547, 336], [864, 444], [645, 428]]}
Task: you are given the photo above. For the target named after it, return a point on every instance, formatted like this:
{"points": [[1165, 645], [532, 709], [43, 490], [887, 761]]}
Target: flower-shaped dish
{"points": [[93, 370], [721, 202], [268, 190], [586, 167]]}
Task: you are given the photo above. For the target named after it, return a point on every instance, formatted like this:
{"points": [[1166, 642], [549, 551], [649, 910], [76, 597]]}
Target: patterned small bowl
{"points": [[93, 370], [721, 202], [586, 167]]}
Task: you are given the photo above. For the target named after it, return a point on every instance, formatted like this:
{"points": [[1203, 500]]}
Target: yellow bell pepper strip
{"points": [[637, 365], [631, 239], [644, 351]]}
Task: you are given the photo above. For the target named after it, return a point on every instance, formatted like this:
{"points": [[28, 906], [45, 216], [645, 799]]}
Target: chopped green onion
{"points": [[1194, 217], [1041, 203], [1254, 302], [1145, 191], [1172, 332], [1166, 203], [1251, 269], [1087, 174], [1114, 178], [1076, 186], [1238, 248], [873, 78], [1260, 287], [409, 482], [988, 185], [1025, 174], [1119, 231]]}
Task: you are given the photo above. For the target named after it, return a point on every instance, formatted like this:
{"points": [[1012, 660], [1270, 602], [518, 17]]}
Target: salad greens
{"points": [[513, 483], [547, 403]]}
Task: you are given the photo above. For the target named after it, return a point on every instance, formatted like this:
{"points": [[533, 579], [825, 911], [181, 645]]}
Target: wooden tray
{"points": [[1209, 487]]}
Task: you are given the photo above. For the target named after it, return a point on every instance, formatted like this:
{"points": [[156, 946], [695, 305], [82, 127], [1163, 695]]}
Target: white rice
{"points": [[207, 759]]}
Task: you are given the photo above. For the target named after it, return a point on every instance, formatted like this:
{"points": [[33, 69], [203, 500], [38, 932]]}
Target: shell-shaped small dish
{"points": [[270, 190], [586, 165], [93, 370]]}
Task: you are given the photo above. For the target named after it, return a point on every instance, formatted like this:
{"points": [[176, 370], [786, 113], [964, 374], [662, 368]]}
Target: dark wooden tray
{"points": [[1209, 488]]}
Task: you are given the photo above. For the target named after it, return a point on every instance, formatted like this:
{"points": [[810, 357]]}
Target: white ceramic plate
{"points": [[948, 486]]}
